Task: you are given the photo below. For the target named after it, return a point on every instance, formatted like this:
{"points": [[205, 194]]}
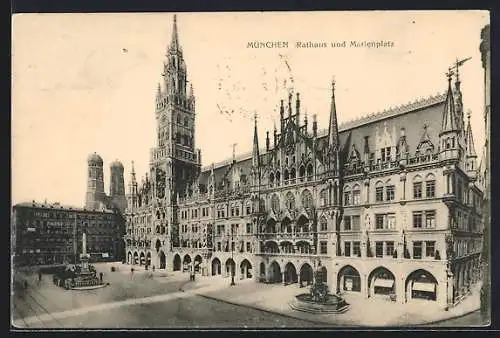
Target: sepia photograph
{"points": [[250, 170]]}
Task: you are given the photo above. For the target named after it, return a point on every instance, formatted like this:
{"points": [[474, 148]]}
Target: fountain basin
{"points": [[305, 303], [91, 287]]}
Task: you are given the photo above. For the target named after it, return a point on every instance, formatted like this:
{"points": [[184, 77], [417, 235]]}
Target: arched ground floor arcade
{"points": [[393, 280]]}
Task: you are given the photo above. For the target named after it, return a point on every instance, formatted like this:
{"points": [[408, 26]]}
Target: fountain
{"points": [[82, 276], [318, 300]]}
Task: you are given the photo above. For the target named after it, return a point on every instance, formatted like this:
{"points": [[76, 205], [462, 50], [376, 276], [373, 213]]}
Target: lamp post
{"points": [[233, 267]]}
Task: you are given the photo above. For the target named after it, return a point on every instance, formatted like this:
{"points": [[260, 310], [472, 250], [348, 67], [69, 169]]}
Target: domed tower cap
{"points": [[116, 164], [94, 159]]}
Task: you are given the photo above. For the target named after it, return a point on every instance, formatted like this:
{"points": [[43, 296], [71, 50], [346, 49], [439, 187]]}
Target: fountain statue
{"points": [[319, 300], [81, 276]]}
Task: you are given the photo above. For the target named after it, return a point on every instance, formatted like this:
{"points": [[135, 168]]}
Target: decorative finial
{"points": [[333, 84], [469, 112], [449, 74]]}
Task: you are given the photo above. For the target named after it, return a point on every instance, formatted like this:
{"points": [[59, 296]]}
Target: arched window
{"points": [[417, 187], [307, 200], [285, 175], [275, 203], [278, 176], [309, 171], [290, 201], [356, 195], [292, 174], [271, 179], [430, 186], [347, 195], [323, 197], [323, 224], [379, 191], [302, 171]]}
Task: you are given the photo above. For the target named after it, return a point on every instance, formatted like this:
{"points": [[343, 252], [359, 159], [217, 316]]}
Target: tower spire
{"points": [[174, 44], [255, 152], [471, 150], [333, 131], [449, 114]]}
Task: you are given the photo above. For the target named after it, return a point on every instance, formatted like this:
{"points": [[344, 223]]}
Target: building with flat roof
{"points": [[50, 233]]}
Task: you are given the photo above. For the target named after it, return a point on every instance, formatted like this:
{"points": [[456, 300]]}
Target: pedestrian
{"points": [[39, 275], [100, 276], [131, 270], [153, 268]]}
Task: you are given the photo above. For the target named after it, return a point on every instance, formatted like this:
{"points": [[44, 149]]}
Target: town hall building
{"points": [[387, 205]]}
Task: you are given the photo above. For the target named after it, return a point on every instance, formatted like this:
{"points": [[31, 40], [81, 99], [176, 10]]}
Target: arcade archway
{"points": [[129, 258], [421, 284], [216, 267], [185, 263], [230, 267], [349, 279], [148, 259], [197, 263], [163, 260], [381, 282], [246, 269], [136, 258], [306, 274], [177, 262], [290, 274], [143, 258], [274, 273]]}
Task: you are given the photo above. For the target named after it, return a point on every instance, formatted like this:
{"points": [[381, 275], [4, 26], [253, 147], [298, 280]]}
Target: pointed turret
{"points": [[449, 136], [297, 109], [449, 123], [190, 92], [174, 44], [471, 150], [132, 189], [255, 151], [333, 131], [471, 156], [158, 95]]}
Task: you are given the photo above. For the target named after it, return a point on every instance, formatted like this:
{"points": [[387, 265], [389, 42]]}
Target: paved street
{"points": [[168, 300], [135, 301], [471, 319]]}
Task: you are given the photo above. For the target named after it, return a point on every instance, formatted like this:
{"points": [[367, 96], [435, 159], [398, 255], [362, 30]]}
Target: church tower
{"points": [[95, 182], [117, 186]]}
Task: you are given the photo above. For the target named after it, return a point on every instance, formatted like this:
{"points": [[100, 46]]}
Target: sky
{"points": [[85, 83]]}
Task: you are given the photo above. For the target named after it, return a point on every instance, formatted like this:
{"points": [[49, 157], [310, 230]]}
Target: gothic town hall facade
{"points": [[387, 205]]}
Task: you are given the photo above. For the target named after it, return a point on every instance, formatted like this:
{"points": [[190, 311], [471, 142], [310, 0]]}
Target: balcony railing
{"points": [[281, 236]]}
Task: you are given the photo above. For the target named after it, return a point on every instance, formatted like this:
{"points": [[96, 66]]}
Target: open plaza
{"points": [[378, 221], [146, 299]]}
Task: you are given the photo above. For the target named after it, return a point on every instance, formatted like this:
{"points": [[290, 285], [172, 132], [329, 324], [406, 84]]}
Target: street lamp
{"points": [[232, 259]]}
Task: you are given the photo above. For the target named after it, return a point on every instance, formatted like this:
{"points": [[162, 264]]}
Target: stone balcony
{"points": [[286, 236]]}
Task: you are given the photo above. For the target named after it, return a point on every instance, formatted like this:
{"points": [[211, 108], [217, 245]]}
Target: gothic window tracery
{"points": [[307, 200], [275, 203], [290, 201]]}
